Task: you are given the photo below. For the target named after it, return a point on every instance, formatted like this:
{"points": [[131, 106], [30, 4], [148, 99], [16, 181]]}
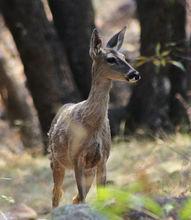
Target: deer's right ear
{"points": [[95, 44]]}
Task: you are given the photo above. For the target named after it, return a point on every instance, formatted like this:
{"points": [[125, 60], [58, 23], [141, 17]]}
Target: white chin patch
{"points": [[133, 80]]}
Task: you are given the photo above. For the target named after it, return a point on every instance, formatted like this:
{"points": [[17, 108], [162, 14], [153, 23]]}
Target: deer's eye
{"points": [[111, 60]]}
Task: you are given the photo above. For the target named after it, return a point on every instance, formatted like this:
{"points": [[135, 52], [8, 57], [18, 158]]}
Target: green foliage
{"points": [[178, 64], [168, 208], [8, 199], [114, 202], [161, 58], [185, 212]]}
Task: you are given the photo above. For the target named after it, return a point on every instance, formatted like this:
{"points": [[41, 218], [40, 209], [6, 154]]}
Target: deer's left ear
{"points": [[117, 40], [95, 44]]}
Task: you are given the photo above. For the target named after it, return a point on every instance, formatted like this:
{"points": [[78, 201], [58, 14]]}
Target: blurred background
{"points": [[45, 63]]}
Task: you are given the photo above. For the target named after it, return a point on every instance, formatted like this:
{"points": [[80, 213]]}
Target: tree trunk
{"points": [[48, 75], [153, 103], [189, 68], [178, 78], [19, 111], [188, 28], [74, 21]]}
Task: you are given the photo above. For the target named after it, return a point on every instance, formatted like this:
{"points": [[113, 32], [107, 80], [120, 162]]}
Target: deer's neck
{"points": [[98, 99]]}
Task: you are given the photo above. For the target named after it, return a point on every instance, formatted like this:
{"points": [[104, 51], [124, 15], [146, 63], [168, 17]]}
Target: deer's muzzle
{"points": [[132, 76]]}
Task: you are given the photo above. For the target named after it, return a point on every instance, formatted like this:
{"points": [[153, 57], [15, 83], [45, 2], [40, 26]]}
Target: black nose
{"points": [[134, 75], [137, 76]]}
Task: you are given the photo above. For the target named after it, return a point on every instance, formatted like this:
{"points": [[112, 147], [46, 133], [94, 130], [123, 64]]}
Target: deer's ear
{"points": [[117, 40], [95, 44]]}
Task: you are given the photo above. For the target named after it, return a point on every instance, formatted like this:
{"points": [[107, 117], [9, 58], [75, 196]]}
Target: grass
{"points": [[162, 163], [163, 166]]}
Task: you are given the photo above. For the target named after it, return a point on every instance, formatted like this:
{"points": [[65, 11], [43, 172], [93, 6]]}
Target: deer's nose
{"points": [[133, 76]]}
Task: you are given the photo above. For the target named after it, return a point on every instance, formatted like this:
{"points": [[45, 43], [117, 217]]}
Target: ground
{"points": [[164, 165]]}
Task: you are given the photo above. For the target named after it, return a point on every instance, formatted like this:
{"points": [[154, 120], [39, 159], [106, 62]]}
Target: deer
{"points": [[79, 136]]}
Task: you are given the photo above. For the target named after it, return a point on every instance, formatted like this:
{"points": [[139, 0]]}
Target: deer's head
{"points": [[110, 59]]}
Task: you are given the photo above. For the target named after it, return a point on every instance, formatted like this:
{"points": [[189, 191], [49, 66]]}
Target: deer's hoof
{"points": [[76, 200]]}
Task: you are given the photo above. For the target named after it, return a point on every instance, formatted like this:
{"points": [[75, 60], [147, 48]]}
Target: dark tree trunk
{"points": [[189, 68], [48, 75], [19, 111], [178, 78], [188, 6], [153, 103], [74, 21]]}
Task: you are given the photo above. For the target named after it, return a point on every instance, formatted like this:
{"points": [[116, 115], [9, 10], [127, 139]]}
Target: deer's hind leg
{"points": [[58, 172], [88, 180]]}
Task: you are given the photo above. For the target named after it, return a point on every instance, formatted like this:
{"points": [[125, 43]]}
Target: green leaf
{"points": [[163, 62], [185, 212], [7, 198], [157, 49], [165, 53], [142, 58], [168, 208], [156, 62], [5, 178], [111, 202], [177, 64], [139, 63], [152, 206], [171, 44]]}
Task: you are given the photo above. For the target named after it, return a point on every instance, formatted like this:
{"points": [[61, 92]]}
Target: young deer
{"points": [[79, 137]]}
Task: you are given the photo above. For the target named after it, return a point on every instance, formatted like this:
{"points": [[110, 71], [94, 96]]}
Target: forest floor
{"points": [[163, 164]]}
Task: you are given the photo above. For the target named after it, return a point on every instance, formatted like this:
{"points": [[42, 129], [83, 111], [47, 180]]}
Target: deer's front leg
{"points": [[79, 170], [101, 173], [89, 177]]}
